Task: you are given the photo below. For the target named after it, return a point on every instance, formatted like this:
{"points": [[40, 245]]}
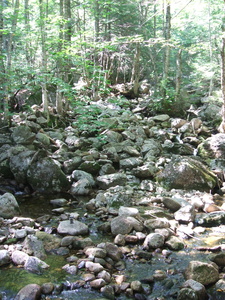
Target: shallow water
{"points": [[13, 278]]}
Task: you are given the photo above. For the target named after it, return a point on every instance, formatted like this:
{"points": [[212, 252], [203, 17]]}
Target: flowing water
{"points": [[13, 278]]}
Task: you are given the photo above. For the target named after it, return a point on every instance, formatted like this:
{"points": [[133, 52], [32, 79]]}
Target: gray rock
{"points": [[128, 211], [154, 240], [111, 180], [151, 148], [174, 243], [157, 223], [124, 225], [130, 163], [108, 292], [9, 206], [50, 241], [97, 283], [76, 228], [113, 251], [211, 219], [19, 257], [205, 273], [79, 175], [187, 173], [218, 259], [23, 135], [199, 288], [187, 294], [93, 267], [20, 233], [95, 252], [4, 257], [81, 187], [59, 202], [104, 275], [44, 175], [35, 265], [148, 170], [29, 292], [71, 269], [71, 164], [185, 214], [213, 147], [34, 246]]}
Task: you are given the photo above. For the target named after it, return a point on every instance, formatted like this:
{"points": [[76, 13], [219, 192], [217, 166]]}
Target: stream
{"points": [[13, 278]]}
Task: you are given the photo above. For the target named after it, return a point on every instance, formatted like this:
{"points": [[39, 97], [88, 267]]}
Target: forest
{"points": [[66, 53]]}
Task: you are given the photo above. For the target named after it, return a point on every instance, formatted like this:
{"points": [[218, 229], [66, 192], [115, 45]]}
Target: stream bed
{"points": [[13, 278]]}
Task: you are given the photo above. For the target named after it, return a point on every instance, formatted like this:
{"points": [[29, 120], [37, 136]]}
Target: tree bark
{"points": [[136, 70], [178, 76], [222, 125]]}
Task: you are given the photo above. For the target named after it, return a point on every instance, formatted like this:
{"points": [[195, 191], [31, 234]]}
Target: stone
{"points": [[35, 265], [205, 273], [128, 211], [124, 225], [104, 275], [19, 257], [81, 187], [213, 147], [199, 288], [130, 163], [188, 174], [136, 286], [185, 214], [211, 219], [71, 269], [47, 288], [29, 292], [75, 228], [9, 206], [4, 257], [97, 283], [187, 294], [157, 223], [218, 259], [34, 246], [59, 202], [95, 252], [174, 243], [113, 251], [23, 135], [93, 267], [20, 233], [153, 240], [108, 292], [111, 180], [50, 242]]}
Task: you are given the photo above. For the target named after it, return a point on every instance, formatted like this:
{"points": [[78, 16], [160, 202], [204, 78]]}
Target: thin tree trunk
{"points": [[222, 125], [178, 76], [136, 70]]}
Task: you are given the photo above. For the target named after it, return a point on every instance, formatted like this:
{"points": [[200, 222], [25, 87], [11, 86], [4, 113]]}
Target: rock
{"points": [[59, 202], [153, 240], [151, 148], [95, 252], [213, 147], [197, 287], [19, 257], [130, 163], [44, 175], [205, 273], [50, 241], [174, 243], [9, 206], [70, 269], [29, 292], [97, 283], [47, 288], [211, 219], [128, 211], [35, 265], [220, 285], [187, 173], [148, 170], [23, 135], [111, 180], [104, 275], [185, 214], [173, 203], [124, 225], [34, 246], [71, 164], [93, 267], [187, 294], [113, 251], [20, 233], [4, 257], [74, 228], [81, 187], [157, 223], [219, 259], [20, 159], [136, 286], [108, 292]]}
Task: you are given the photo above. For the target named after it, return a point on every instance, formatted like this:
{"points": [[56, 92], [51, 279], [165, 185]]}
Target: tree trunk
{"points": [[178, 77], [222, 125], [136, 70]]}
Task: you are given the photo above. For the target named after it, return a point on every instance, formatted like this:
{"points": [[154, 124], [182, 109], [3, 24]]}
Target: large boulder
{"points": [[23, 135], [9, 206], [213, 147], [205, 273], [45, 175], [187, 173], [125, 224], [29, 292]]}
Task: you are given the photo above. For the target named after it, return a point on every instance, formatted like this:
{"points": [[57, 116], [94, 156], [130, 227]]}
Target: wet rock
{"points": [[9, 206], [211, 219], [108, 292], [187, 294], [187, 173], [124, 225], [197, 287], [205, 273], [19, 257], [76, 228], [4, 257], [110, 180], [79, 243], [153, 240], [35, 265], [174, 243], [29, 292], [71, 269]]}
